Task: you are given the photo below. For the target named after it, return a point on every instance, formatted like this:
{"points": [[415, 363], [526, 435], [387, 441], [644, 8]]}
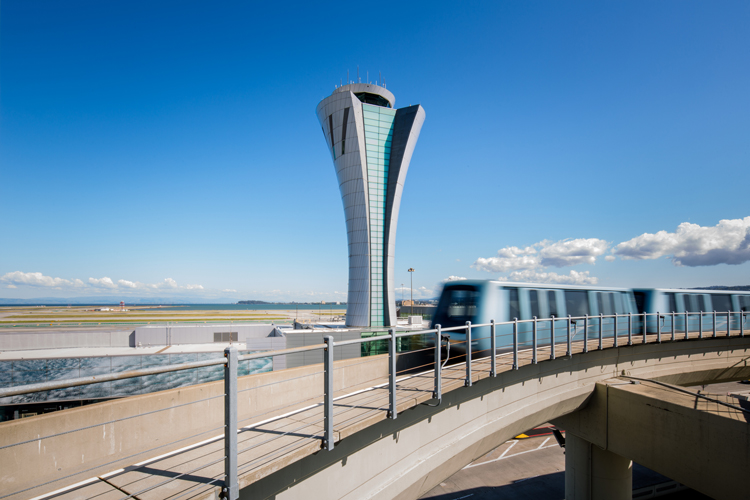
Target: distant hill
{"points": [[254, 302], [737, 288]]}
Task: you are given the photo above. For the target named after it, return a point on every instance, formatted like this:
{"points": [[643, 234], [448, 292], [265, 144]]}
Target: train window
{"points": [[620, 302], [534, 302], [459, 303], [640, 301], [612, 307], [552, 303], [672, 302], [687, 307], [701, 303], [745, 302], [513, 310], [577, 302], [721, 302], [603, 302]]}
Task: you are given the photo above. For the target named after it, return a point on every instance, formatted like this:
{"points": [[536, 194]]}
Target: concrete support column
{"points": [[593, 474]]}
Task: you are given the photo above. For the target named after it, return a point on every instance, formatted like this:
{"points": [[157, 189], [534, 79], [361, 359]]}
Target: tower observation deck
{"points": [[371, 144]]}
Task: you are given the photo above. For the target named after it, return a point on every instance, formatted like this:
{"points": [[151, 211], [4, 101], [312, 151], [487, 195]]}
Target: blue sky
{"points": [[172, 149]]}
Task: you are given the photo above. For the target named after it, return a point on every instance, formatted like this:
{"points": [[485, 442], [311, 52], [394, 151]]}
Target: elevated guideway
{"points": [[701, 441], [171, 444]]}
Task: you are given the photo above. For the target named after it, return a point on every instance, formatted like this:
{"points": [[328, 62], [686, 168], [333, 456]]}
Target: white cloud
{"points": [[692, 245], [609, 258], [561, 253], [18, 278], [228, 290], [571, 252], [453, 278], [509, 258], [572, 278], [102, 283]]}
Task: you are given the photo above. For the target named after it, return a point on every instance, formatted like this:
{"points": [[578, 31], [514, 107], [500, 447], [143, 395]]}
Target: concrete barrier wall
{"points": [[133, 433], [22, 341]]}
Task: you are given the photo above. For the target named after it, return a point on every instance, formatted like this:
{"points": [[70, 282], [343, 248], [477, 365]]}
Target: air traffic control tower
{"points": [[371, 144]]}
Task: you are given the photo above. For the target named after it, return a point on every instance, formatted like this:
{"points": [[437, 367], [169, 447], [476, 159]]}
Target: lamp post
{"points": [[411, 289]]}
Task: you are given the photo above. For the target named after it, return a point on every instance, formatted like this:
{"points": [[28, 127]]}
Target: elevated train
{"points": [[481, 301]]}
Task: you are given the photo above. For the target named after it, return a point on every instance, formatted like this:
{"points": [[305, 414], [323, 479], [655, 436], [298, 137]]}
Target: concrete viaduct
{"points": [[169, 444]]}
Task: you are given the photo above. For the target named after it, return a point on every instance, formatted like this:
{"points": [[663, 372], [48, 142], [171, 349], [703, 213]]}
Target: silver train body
{"points": [[480, 301]]}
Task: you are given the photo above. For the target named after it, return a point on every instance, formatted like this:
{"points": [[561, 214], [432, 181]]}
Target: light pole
{"points": [[411, 289]]}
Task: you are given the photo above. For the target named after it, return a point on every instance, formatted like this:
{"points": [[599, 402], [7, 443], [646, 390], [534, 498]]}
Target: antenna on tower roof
{"points": [[347, 77], [380, 78]]}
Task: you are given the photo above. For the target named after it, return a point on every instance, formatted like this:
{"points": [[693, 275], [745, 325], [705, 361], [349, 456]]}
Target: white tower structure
{"points": [[371, 145]]}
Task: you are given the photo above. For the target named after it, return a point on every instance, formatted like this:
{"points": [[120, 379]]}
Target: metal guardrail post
{"points": [[630, 328], [493, 350], [742, 324], [467, 383], [615, 320], [328, 394], [552, 337], [231, 490], [392, 353], [714, 324], [700, 326], [673, 324], [586, 333], [729, 320], [658, 327], [570, 349], [438, 392], [645, 327], [533, 342], [515, 343], [601, 330], [687, 325]]}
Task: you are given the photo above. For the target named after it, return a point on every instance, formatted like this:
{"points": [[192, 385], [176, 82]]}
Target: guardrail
{"points": [[525, 335]]}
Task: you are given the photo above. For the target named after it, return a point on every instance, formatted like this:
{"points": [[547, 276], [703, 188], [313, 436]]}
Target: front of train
{"points": [[462, 302]]}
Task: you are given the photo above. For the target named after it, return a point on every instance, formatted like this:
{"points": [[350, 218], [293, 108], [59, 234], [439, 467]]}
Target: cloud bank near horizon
{"points": [[38, 280], [690, 245]]}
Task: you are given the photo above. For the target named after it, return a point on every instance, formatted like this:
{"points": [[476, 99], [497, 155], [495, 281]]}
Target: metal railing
{"points": [[527, 336]]}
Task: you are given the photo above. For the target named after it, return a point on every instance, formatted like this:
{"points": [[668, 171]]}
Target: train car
{"points": [[481, 301], [695, 306]]}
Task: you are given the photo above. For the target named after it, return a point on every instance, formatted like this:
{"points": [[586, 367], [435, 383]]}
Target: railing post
{"points": [[533, 342], [714, 324], [552, 338], [328, 393], [601, 330], [673, 324], [615, 320], [570, 350], [700, 326], [742, 324], [729, 320], [630, 328], [493, 350], [658, 327], [687, 325], [515, 343], [586, 333], [438, 392], [467, 383], [645, 327], [231, 484], [392, 353]]}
